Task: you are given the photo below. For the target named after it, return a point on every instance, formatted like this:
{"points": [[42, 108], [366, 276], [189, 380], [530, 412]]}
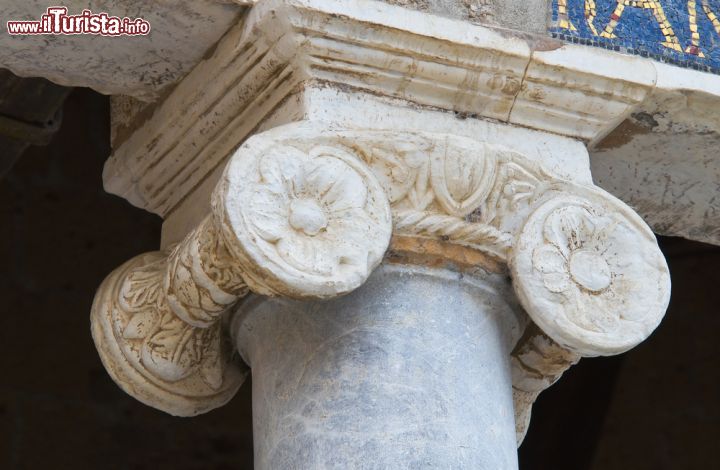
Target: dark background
{"points": [[654, 408]]}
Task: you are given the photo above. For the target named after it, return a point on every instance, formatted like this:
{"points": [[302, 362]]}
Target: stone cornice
{"points": [[382, 49]]}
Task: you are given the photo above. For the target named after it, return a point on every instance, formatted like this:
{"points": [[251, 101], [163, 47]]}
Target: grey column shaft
{"points": [[410, 371]]}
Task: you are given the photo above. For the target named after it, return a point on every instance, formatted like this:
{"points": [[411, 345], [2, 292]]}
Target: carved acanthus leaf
{"points": [[537, 362], [151, 351], [201, 280], [462, 179]]}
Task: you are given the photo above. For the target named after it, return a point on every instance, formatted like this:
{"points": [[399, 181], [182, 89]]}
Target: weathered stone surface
{"points": [[298, 222], [579, 264], [140, 66], [410, 371], [663, 160], [522, 15]]}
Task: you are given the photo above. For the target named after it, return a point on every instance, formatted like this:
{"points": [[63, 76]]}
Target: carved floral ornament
{"points": [[308, 213]]}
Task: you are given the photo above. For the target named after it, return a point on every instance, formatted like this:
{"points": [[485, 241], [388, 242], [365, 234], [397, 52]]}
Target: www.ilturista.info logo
{"points": [[57, 21]]}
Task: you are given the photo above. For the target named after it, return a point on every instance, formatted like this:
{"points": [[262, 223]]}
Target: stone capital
{"points": [[348, 146], [307, 212]]}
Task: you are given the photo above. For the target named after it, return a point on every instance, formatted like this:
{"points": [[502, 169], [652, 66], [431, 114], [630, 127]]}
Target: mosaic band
{"points": [[682, 32]]}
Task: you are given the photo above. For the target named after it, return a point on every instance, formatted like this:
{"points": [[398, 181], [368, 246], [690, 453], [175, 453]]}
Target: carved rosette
{"points": [[310, 223], [308, 213], [589, 272]]}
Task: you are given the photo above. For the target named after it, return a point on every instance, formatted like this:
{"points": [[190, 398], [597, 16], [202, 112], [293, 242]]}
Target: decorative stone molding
{"points": [[268, 69], [155, 350], [268, 65], [589, 272], [283, 45], [304, 222], [285, 222], [537, 362], [304, 211]]}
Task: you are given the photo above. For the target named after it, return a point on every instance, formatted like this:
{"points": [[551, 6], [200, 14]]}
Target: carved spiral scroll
{"points": [[303, 224], [157, 325]]}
